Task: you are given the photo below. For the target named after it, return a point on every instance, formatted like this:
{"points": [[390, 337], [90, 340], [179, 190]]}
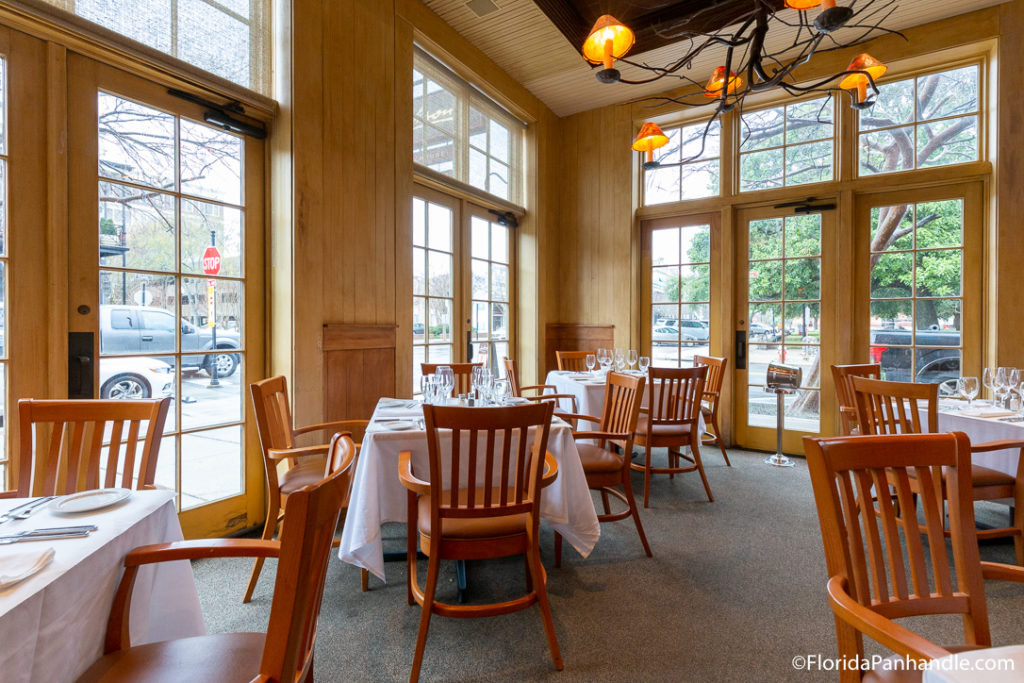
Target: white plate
{"points": [[399, 426], [87, 501]]}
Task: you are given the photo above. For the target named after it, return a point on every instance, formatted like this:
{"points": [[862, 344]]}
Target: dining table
{"points": [[378, 496], [983, 422], [989, 665], [53, 623]]}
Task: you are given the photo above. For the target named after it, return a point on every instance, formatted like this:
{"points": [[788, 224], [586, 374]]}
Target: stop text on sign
{"points": [[211, 261]]}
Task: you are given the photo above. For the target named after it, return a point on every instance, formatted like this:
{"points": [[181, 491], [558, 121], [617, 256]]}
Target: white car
{"points": [[139, 377]]}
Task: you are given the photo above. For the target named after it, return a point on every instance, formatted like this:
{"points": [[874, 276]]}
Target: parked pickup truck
{"points": [[152, 331], [938, 354]]}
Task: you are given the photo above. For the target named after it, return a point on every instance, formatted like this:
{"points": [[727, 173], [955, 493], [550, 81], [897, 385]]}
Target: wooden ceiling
{"points": [[654, 22], [524, 41]]}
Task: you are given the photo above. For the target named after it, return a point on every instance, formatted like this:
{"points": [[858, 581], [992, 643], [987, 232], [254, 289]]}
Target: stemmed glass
{"points": [[604, 357], [475, 377], [427, 387], [645, 362], [483, 389], [988, 379], [631, 358], [591, 362], [1012, 380], [620, 360], [968, 388], [447, 381], [500, 391], [1002, 383]]}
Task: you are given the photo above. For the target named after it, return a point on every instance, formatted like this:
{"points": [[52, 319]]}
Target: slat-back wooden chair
{"points": [[463, 374], [65, 443], [712, 399], [482, 501], [288, 467], [885, 407], [603, 466], [285, 652], [512, 372], [877, 565], [842, 376], [573, 361], [672, 421]]}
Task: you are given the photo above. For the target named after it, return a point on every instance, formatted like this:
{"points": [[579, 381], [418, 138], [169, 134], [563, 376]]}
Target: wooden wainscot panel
{"points": [[574, 337], [359, 368]]}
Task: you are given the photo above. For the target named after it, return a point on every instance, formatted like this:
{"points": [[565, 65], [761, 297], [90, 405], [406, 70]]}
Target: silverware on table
{"points": [[49, 534], [25, 509]]}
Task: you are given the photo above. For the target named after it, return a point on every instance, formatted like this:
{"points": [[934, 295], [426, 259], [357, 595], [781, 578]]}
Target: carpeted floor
{"points": [[734, 592]]}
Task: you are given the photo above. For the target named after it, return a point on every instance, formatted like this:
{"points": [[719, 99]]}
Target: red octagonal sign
{"points": [[211, 261]]}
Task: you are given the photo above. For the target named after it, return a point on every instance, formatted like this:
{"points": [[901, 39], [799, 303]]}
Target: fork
{"points": [[25, 509]]}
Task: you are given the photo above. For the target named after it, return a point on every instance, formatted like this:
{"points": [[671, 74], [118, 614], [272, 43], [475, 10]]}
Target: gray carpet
{"points": [[735, 591]]}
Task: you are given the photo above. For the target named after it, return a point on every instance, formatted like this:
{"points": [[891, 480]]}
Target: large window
{"points": [[433, 281], [787, 145], [680, 294], [490, 244], [689, 165], [3, 272], [931, 120], [461, 133], [917, 257]]}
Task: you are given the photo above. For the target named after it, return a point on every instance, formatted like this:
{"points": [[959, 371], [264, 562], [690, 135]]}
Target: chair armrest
{"points": [[297, 452], [1002, 572], [711, 394], [408, 479], [576, 416], [542, 387], [996, 445], [337, 425], [601, 436], [8, 494], [550, 470], [897, 638]]}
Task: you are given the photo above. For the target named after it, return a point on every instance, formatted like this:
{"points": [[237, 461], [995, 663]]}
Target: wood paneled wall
{"points": [[359, 367], [575, 337]]}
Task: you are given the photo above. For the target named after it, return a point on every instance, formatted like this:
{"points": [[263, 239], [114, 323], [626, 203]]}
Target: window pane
{"points": [[665, 246], [478, 239], [762, 129], [481, 279], [803, 235], [892, 227], [419, 271], [440, 269], [137, 228], [438, 107], [806, 121], [761, 170], [211, 466], [892, 275], [894, 106], [765, 281], [499, 282], [148, 22], [499, 243], [803, 278], [766, 238], [938, 273], [886, 151], [499, 141], [213, 40], [949, 93], [662, 185], [211, 163], [439, 223], [940, 224], [810, 163], [195, 309], [201, 223], [419, 222], [700, 179], [136, 142], [695, 243], [954, 141], [477, 169], [665, 284], [440, 318]]}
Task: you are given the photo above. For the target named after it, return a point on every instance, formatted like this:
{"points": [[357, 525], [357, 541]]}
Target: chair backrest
{"points": [[842, 376], [716, 376], [486, 466], [675, 394], [880, 557], [622, 397], [65, 443], [273, 421], [573, 361], [885, 407], [463, 374], [512, 373], [306, 540]]}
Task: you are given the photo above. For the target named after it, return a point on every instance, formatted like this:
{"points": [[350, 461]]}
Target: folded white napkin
{"points": [[17, 567], [398, 407], [987, 411]]}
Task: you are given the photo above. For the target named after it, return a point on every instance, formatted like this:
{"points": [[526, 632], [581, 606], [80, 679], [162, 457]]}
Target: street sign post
{"points": [[211, 266]]}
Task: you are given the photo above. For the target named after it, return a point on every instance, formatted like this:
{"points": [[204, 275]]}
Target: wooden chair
{"points": [[877, 565], [671, 420], [573, 361], [285, 651], [885, 407], [482, 501], [463, 374], [712, 398], [288, 467], [842, 376], [61, 449], [605, 468], [512, 372]]}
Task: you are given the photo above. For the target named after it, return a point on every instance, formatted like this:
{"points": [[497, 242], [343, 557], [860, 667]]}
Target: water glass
{"points": [[988, 380], [645, 363], [447, 382], [484, 387], [500, 391], [620, 359], [968, 388], [591, 361], [631, 358]]}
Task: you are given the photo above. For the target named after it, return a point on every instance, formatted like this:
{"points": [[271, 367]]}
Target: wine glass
{"points": [[968, 387], [591, 362], [631, 358], [500, 391], [620, 360], [604, 357], [475, 376], [645, 363], [1002, 383], [447, 377], [486, 381], [988, 379]]}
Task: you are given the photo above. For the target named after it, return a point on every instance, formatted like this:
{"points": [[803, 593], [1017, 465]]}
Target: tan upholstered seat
{"points": [[470, 527], [305, 473], [596, 459], [660, 430]]}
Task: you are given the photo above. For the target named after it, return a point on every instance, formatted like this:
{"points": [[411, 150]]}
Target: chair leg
{"points": [[718, 439], [558, 549], [647, 475], [673, 461], [268, 534], [364, 580], [604, 499], [433, 569], [540, 588], [529, 576], [695, 451], [628, 486], [410, 545]]}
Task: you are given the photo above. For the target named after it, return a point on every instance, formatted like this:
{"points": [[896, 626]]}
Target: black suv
{"points": [[938, 354]]}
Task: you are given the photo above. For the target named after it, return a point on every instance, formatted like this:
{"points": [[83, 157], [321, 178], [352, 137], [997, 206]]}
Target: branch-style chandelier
{"points": [[750, 67]]}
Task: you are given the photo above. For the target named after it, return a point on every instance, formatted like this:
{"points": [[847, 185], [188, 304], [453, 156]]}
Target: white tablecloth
{"points": [[992, 665], [589, 393], [982, 429], [378, 495], [52, 625]]}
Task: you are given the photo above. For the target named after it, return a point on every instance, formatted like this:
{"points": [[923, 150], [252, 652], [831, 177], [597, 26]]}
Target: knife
{"points": [[52, 531]]}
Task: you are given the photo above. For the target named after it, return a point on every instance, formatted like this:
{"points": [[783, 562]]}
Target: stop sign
{"points": [[211, 261]]}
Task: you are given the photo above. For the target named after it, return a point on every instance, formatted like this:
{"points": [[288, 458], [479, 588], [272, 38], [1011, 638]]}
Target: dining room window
{"points": [[792, 144], [689, 166], [433, 283], [460, 132], [931, 120], [3, 273]]}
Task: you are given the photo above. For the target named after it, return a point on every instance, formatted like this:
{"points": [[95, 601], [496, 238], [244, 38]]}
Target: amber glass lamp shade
{"points": [[859, 81], [717, 82], [802, 4], [649, 139], [608, 40]]}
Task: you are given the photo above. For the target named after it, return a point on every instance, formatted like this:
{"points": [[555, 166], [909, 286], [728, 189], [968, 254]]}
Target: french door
{"points": [[463, 287], [785, 303], [152, 187]]}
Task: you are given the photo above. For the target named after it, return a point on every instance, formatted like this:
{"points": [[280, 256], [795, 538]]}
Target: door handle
{"points": [[741, 349], [147, 337], [80, 364], [469, 346]]}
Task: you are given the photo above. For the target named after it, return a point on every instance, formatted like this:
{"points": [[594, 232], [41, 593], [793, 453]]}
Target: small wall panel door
{"points": [[359, 368], [575, 337]]}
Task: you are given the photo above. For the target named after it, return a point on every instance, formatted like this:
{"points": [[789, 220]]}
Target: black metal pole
{"points": [[214, 381]]}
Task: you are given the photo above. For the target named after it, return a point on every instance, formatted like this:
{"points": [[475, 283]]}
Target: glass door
{"points": [[785, 294], [491, 288], [166, 262]]}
